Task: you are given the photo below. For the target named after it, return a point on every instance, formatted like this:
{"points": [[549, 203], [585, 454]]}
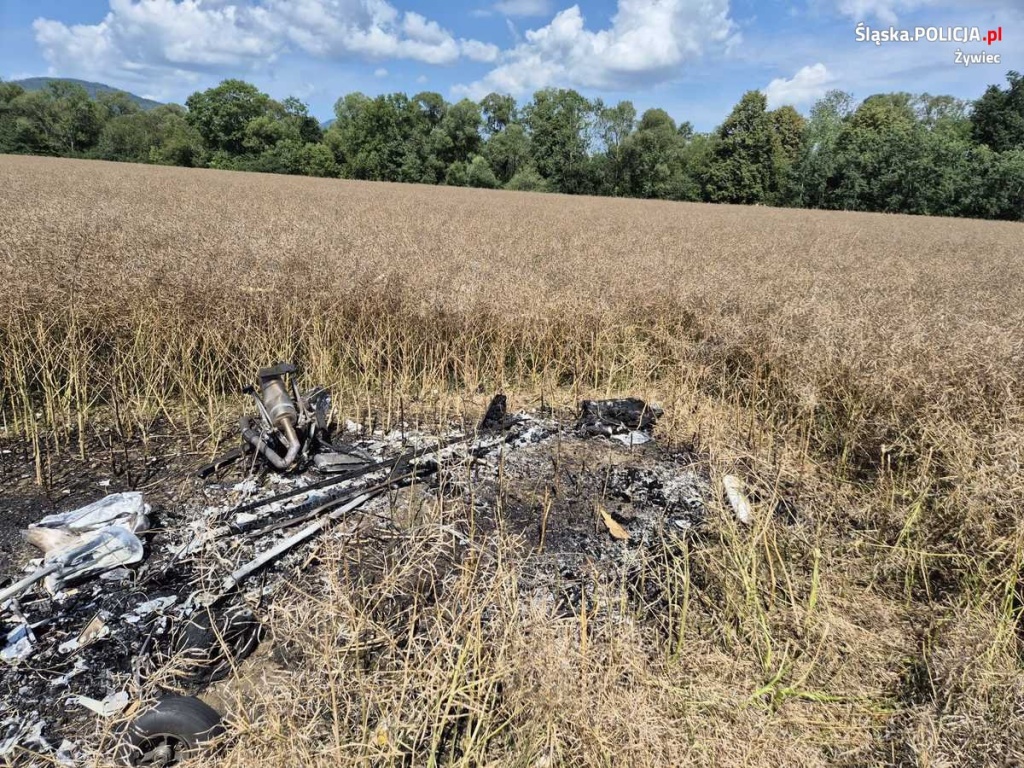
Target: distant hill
{"points": [[39, 83]]}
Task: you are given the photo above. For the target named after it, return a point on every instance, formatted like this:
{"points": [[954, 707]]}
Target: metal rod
{"points": [[21, 586], [290, 543], [343, 476], [222, 461], [288, 522]]}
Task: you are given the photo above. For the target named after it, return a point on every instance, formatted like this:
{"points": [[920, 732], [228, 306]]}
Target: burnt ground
{"points": [[541, 481], [551, 495]]}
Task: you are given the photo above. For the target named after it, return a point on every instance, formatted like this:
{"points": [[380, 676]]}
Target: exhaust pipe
{"points": [[282, 414], [255, 439]]}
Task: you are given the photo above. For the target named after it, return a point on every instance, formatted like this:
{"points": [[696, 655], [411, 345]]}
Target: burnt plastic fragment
{"points": [[619, 416], [497, 417]]}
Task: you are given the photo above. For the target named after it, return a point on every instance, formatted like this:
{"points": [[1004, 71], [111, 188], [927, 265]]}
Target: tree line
{"points": [[896, 152]]}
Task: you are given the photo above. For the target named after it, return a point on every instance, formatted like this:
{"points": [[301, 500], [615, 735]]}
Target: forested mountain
{"points": [[93, 89]]}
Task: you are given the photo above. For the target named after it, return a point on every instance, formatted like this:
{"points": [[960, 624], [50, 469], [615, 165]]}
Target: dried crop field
{"points": [[861, 371]]}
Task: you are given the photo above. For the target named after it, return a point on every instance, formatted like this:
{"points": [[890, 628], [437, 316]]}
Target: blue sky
{"points": [[694, 58]]}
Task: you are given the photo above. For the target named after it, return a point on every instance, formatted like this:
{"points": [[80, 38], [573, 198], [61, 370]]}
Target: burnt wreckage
{"points": [[131, 611], [292, 427]]}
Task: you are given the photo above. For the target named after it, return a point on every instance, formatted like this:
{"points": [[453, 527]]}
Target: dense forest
{"points": [[892, 152]]}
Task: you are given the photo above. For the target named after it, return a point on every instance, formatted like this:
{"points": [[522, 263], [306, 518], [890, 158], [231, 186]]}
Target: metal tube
{"points": [[306, 533], [255, 439], [408, 456], [20, 586]]}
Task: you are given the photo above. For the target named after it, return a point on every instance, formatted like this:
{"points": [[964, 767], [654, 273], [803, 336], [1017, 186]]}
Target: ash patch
{"points": [[550, 486], [676, 491]]}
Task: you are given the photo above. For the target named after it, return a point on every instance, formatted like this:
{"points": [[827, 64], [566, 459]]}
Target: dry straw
{"points": [[865, 369]]}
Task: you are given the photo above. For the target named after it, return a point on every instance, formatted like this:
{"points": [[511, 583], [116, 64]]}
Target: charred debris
{"points": [[113, 601]]}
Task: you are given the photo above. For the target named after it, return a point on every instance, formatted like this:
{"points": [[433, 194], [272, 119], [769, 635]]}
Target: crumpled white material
{"points": [[91, 539], [127, 509]]}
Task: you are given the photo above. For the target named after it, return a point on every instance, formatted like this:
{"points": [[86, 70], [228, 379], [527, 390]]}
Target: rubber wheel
{"points": [[176, 728]]}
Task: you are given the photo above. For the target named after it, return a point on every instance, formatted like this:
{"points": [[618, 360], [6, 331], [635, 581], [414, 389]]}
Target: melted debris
{"points": [[97, 645]]}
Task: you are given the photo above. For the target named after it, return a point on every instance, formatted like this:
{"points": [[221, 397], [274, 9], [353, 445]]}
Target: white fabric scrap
{"points": [[737, 500], [109, 706], [127, 509], [635, 437], [19, 645]]}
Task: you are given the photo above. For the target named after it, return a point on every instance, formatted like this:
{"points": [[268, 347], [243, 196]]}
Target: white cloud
{"points": [[513, 31], [508, 8], [422, 79], [373, 29], [808, 84], [523, 7], [477, 51], [647, 43], [171, 40], [380, 72], [885, 11], [141, 38], [418, 27]]}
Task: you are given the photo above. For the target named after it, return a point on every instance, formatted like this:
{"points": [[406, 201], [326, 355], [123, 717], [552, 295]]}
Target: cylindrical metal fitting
{"points": [[278, 403]]}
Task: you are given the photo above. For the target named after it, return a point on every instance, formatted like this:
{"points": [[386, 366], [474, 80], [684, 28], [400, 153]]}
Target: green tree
{"points": [[34, 124], [370, 137], [461, 123], [528, 180], [178, 142], [441, 136], [432, 106], [9, 92], [60, 119], [695, 157], [317, 160], [499, 112], [942, 113], [995, 185], [263, 133], [479, 174], [789, 130], [457, 174], [273, 137], [508, 151], [344, 135], [945, 134], [814, 172], [650, 156], [9, 129], [743, 164], [127, 137], [997, 120], [755, 150], [75, 119], [115, 104], [613, 126], [881, 163], [295, 114], [222, 114], [559, 122]]}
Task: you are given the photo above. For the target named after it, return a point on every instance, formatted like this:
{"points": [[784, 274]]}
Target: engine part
{"points": [[280, 417], [291, 427]]}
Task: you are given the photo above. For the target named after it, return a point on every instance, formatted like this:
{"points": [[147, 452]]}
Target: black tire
{"points": [[176, 728]]}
